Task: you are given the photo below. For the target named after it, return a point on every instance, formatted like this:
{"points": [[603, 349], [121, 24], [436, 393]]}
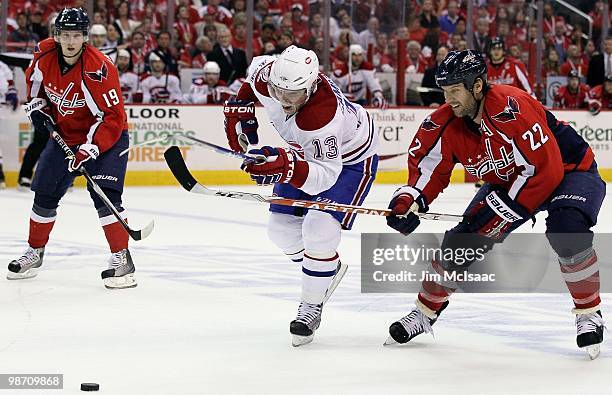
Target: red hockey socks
{"points": [[434, 294], [116, 235], [41, 224], [581, 274]]}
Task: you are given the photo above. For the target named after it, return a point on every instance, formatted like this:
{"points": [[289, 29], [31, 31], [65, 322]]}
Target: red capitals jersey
{"points": [[509, 72], [598, 93], [518, 145], [566, 99], [85, 100]]}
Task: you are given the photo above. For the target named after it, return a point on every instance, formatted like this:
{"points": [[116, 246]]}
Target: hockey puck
{"points": [[90, 386]]}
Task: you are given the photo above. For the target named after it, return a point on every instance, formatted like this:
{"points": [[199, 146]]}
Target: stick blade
{"points": [[179, 169], [143, 233]]}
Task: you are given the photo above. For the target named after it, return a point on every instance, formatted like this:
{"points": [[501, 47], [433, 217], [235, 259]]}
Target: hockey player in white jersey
{"points": [[8, 96], [331, 157], [130, 83], [160, 86], [357, 77], [209, 89]]}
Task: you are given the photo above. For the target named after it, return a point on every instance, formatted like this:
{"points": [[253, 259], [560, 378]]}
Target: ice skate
{"points": [[309, 315], [24, 184], [120, 272], [589, 328], [418, 321], [307, 321], [27, 266]]}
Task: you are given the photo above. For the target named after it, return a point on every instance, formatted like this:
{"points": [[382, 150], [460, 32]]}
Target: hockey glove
{"points": [[403, 206], [276, 165], [85, 153], [379, 100], [11, 98], [240, 124], [494, 215], [39, 113]]}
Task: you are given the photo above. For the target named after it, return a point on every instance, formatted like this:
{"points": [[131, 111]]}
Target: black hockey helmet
{"points": [[462, 67], [72, 19], [497, 41], [573, 74]]}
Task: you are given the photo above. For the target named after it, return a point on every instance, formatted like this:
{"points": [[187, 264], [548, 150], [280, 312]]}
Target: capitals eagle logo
{"points": [[98, 75]]}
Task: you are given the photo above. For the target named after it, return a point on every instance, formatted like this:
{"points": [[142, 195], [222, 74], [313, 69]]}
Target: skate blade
{"points": [[389, 342], [592, 351], [22, 276], [342, 268], [301, 340], [127, 281]]}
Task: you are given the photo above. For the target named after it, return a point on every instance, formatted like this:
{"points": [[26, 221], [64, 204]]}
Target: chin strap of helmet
{"points": [[485, 87]]}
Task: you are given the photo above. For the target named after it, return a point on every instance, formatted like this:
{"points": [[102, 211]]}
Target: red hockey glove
{"points": [[494, 215], [276, 165], [240, 124], [403, 205], [85, 153]]}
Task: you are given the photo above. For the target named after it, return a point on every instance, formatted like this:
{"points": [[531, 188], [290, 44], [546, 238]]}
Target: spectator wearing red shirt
{"points": [[299, 25], [186, 33], [414, 60], [600, 97], [287, 5], [220, 13], [196, 57], [574, 94], [575, 61], [194, 15], [415, 31], [239, 36]]}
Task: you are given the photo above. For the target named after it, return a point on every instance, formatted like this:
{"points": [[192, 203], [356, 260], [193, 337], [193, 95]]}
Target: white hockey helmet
{"points": [[97, 30], [211, 67], [356, 49], [293, 73]]}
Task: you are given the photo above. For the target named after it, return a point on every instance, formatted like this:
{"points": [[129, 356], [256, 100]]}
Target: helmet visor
{"points": [[285, 96]]}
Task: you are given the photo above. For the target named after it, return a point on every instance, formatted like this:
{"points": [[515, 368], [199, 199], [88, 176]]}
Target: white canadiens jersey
{"points": [[328, 131], [356, 84], [6, 76], [202, 93], [163, 89], [129, 85]]}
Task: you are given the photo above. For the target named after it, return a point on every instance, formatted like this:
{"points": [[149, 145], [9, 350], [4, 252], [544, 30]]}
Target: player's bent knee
{"points": [[568, 231], [46, 201], [112, 195], [321, 233], [285, 231]]}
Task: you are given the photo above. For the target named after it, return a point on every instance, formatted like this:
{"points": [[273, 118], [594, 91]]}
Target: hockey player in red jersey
{"points": [[601, 96], [530, 162], [505, 70], [573, 95], [74, 89]]}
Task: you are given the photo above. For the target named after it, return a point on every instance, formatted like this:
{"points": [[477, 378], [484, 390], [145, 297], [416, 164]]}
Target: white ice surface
{"points": [[212, 308]]}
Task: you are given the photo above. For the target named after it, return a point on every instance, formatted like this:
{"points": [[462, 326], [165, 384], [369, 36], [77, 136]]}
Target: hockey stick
{"points": [[179, 169], [157, 140], [134, 234], [218, 149]]}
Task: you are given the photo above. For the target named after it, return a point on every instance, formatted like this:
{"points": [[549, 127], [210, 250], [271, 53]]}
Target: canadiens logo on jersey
{"points": [[62, 100], [98, 75], [429, 125], [510, 111]]}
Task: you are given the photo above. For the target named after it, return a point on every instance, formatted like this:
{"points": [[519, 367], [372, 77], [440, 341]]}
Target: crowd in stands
{"points": [[216, 30]]}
